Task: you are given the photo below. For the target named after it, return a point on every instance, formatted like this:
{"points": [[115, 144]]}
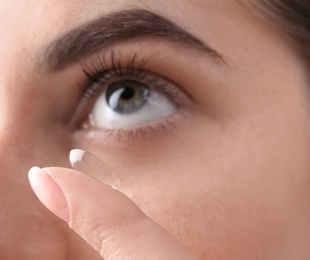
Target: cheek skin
{"points": [[235, 187], [244, 193], [228, 188]]}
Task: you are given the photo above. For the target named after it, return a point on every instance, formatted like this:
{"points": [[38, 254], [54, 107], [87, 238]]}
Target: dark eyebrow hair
{"points": [[113, 28]]}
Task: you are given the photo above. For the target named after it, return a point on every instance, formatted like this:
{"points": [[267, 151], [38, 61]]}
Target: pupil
{"points": [[128, 93], [127, 96]]}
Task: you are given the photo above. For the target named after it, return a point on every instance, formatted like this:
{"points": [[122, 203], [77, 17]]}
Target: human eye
{"points": [[123, 98]]}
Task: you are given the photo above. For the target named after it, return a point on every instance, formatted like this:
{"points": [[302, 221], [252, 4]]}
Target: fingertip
{"points": [[48, 192]]}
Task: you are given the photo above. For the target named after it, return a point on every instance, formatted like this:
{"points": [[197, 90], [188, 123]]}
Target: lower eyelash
{"points": [[142, 133], [103, 70]]}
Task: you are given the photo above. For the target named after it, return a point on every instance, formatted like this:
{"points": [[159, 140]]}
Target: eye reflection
{"points": [[129, 103], [123, 95], [127, 96]]}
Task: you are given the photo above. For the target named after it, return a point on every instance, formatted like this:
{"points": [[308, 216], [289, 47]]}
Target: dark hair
{"points": [[292, 17]]}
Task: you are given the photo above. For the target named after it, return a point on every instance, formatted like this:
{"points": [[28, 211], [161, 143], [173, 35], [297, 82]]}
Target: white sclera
{"points": [[94, 167]]}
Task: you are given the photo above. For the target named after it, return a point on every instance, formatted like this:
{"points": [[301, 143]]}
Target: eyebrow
{"points": [[114, 28]]}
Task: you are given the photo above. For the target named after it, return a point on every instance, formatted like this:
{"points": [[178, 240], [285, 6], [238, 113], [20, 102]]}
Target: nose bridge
{"points": [[17, 154], [17, 147], [24, 142], [19, 114], [28, 230], [29, 133], [21, 142], [27, 143], [28, 137]]}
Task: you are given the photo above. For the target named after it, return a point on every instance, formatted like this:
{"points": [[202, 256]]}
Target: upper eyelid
{"points": [[92, 91], [100, 65], [114, 28], [101, 71]]}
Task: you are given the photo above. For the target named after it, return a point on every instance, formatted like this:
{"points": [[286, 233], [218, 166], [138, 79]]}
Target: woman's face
{"points": [[204, 119]]}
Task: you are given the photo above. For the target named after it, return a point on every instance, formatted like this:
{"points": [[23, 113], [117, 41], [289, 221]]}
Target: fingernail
{"points": [[48, 192]]}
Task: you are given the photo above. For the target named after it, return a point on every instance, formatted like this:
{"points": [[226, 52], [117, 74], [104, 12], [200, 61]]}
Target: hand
{"points": [[105, 218]]}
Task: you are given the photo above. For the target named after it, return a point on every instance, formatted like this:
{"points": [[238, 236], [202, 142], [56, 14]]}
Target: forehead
{"points": [[51, 17], [25, 26]]}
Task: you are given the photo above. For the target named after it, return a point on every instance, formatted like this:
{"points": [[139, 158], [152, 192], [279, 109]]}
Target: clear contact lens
{"points": [[94, 167]]}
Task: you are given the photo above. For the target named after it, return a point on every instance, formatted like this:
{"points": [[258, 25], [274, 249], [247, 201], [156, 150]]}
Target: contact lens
{"points": [[94, 167]]}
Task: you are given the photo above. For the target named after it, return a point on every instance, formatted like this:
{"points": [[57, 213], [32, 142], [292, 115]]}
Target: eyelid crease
{"points": [[99, 66], [118, 64], [114, 28], [112, 66], [100, 71], [96, 70]]}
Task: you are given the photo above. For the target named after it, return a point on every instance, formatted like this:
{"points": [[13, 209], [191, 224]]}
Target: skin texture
{"points": [[229, 181]]}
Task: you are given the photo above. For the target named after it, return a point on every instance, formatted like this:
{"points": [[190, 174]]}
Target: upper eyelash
{"points": [[109, 66], [99, 72], [99, 67]]}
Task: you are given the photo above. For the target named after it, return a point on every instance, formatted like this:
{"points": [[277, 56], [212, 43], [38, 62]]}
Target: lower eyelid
{"points": [[150, 130], [92, 92], [137, 134], [144, 133]]}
